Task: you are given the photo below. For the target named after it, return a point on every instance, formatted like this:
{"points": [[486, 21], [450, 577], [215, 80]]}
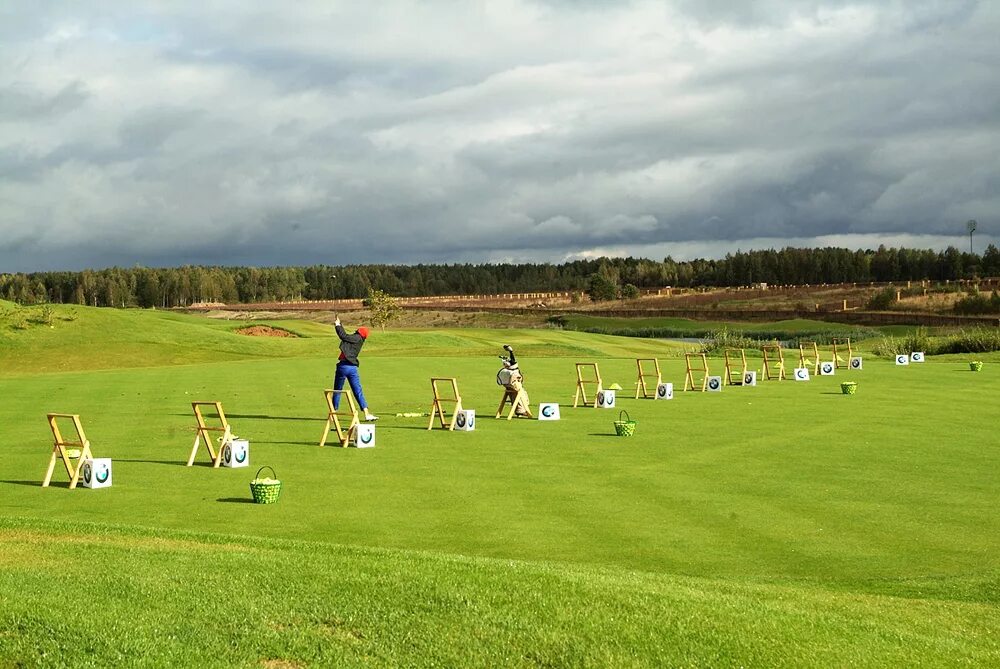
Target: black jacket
{"points": [[350, 345]]}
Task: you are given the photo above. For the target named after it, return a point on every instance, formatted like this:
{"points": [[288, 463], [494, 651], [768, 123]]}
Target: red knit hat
{"points": [[363, 331]]}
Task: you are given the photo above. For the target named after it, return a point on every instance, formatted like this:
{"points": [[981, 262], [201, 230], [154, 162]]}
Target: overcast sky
{"points": [[291, 133]]}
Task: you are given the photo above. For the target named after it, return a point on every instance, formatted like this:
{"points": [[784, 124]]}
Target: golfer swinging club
{"points": [[347, 367]]}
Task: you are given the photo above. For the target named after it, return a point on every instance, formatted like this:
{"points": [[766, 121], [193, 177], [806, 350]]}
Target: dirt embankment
{"points": [[265, 331]]}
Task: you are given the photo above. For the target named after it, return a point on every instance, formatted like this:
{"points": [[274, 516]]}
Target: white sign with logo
{"points": [[664, 391], [466, 420], [96, 473], [856, 363], [606, 399], [827, 369], [917, 356], [236, 453], [902, 359], [548, 411], [801, 374], [750, 379], [715, 384], [364, 435]]}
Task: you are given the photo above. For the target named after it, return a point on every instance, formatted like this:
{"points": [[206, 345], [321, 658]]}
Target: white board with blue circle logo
{"points": [[857, 363], [96, 473], [801, 374], [902, 359], [714, 384], [548, 411], [465, 420], [917, 356], [364, 435], [606, 399], [664, 391], [236, 453], [750, 378], [827, 369]]}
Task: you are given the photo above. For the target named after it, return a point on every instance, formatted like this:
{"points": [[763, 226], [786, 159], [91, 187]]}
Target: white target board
{"points": [[606, 399], [364, 436], [236, 453], [856, 363], [96, 473], [902, 359], [801, 374], [827, 369], [548, 411], [715, 384], [664, 391], [750, 379], [917, 356], [465, 420]]}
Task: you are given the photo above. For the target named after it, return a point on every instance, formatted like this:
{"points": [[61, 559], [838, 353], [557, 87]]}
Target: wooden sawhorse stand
{"points": [[774, 363], [333, 417], [514, 397], [204, 431], [59, 449], [736, 366], [581, 384], [437, 409], [809, 356], [641, 388], [689, 375], [841, 343]]}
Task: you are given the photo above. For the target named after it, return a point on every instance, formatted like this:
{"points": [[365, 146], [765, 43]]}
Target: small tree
{"points": [[383, 307], [630, 292], [602, 288]]}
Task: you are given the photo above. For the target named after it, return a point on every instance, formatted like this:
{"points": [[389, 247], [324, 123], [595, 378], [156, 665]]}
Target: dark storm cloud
{"points": [[328, 132]]}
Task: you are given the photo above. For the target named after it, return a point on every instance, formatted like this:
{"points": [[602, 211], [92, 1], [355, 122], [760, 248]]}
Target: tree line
{"points": [[183, 286]]}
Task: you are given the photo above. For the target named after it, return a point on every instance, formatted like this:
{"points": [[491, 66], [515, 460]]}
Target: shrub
{"points": [[975, 340], [881, 300], [630, 292], [977, 303], [725, 338]]}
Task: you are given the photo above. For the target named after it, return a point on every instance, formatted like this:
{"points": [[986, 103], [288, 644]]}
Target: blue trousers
{"points": [[349, 372]]}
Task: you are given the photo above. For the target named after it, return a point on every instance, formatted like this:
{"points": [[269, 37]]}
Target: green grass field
{"points": [[782, 525]]}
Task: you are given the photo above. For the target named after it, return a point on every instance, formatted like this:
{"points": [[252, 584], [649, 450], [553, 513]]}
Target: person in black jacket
{"points": [[347, 367]]}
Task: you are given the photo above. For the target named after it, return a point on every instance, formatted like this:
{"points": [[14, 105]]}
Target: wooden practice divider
{"points": [[809, 356], [774, 362], [736, 366], [203, 431], [514, 397], [691, 369], [838, 347], [582, 383], [72, 453], [437, 409], [333, 417], [642, 389]]}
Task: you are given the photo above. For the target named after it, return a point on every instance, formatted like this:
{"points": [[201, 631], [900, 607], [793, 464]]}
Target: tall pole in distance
{"points": [[971, 225]]}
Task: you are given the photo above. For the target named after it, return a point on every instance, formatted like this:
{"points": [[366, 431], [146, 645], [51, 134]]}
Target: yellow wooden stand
{"points": [[774, 363], [59, 449], [513, 396], [437, 409], [809, 356], [838, 348], [203, 431], [642, 389], [691, 369], [582, 383], [736, 366], [333, 417]]}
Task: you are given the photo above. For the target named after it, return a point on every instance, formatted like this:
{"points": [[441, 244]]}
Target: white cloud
{"points": [[279, 133]]}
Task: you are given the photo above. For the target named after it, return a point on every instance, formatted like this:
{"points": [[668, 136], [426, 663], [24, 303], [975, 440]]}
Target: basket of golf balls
{"points": [[265, 490], [849, 387], [624, 427], [976, 366]]}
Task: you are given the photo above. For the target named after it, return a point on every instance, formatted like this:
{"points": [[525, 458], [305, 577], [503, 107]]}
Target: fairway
{"points": [[781, 525]]}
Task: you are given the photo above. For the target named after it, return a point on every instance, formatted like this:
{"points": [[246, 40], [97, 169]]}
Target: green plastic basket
{"points": [[265, 492], [624, 427], [849, 387], [976, 366]]}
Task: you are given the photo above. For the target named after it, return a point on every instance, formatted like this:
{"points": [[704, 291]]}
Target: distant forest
{"points": [[182, 286]]}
